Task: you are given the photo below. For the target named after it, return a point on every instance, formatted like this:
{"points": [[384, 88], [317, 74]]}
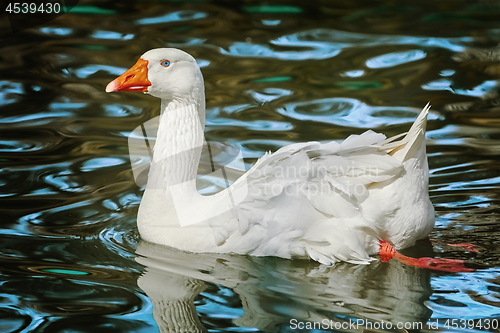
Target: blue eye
{"points": [[165, 63]]}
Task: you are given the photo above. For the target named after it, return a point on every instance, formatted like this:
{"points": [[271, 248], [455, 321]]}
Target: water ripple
{"points": [[269, 94], [350, 113], [101, 162], [36, 119], [324, 44], [477, 91], [55, 31], [394, 59], [19, 146], [275, 74], [89, 70], [468, 290], [342, 39], [183, 15], [10, 92], [100, 34]]}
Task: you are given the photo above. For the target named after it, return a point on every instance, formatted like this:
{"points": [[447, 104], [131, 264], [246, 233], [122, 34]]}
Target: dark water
{"points": [[276, 72]]}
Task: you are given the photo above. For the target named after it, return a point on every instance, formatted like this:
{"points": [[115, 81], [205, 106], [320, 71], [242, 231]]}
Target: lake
{"points": [[277, 72]]}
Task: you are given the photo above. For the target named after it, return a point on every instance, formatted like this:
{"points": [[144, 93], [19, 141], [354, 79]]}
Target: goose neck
{"points": [[179, 141]]}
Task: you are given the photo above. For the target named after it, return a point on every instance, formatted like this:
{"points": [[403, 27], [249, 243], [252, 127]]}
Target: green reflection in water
{"points": [[450, 17], [91, 10], [266, 9], [181, 29], [93, 47], [484, 7], [273, 79], [359, 85], [63, 271]]}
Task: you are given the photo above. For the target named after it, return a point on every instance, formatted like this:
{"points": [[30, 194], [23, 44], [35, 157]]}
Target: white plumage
{"points": [[327, 201]]}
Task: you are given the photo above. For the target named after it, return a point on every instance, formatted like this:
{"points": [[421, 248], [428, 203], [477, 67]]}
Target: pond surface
{"points": [[276, 73]]}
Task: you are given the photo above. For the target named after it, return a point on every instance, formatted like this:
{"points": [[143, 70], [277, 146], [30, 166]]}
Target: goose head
{"points": [[167, 73]]}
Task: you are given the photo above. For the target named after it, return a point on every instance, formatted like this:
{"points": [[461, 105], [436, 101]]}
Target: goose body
{"points": [[326, 201]]}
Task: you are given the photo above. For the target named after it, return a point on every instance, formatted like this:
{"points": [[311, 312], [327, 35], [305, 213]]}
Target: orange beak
{"points": [[135, 79]]}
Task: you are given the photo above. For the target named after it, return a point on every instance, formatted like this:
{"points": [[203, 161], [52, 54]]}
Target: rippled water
{"points": [[276, 73]]}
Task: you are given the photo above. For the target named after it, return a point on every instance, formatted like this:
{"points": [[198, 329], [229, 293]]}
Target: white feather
{"points": [[327, 201]]}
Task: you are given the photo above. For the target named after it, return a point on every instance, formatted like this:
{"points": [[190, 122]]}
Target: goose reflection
{"points": [[274, 291]]}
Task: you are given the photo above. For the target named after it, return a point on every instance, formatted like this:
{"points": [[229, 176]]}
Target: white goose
{"points": [[327, 201]]}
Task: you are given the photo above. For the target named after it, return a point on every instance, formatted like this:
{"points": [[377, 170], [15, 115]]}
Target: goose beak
{"points": [[135, 79]]}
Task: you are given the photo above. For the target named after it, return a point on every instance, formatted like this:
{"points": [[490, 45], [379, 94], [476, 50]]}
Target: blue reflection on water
{"points": [[349, 39], [461, 293], [442, 84], [121, 110], [269, 94], [88, 70], [447, 72], [183, 15], [202, 63], [354, 73], [271, 22], [55, 31], [350, 112], [19, 146], [67, 105], [256, 125], [394, 59], [100, 34], [327, 43], [214, 307], [488, 183], [41, 118], [476, 201], [9, 92], [62, 181], [478, 91], [320, 51], [40, 217], [100, 162], [186, 41]]}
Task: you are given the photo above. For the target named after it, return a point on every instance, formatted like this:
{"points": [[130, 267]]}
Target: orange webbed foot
{"points": [[387, 252]]}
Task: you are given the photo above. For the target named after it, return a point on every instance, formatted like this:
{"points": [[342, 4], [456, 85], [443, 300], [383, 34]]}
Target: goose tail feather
{"points": [[407, 147]]}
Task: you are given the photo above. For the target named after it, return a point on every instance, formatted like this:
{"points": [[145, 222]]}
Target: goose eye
{"points": [[165, 63]]}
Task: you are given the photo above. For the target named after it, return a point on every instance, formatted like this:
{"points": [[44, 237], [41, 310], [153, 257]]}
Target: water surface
{"points": [[276, 73]]}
